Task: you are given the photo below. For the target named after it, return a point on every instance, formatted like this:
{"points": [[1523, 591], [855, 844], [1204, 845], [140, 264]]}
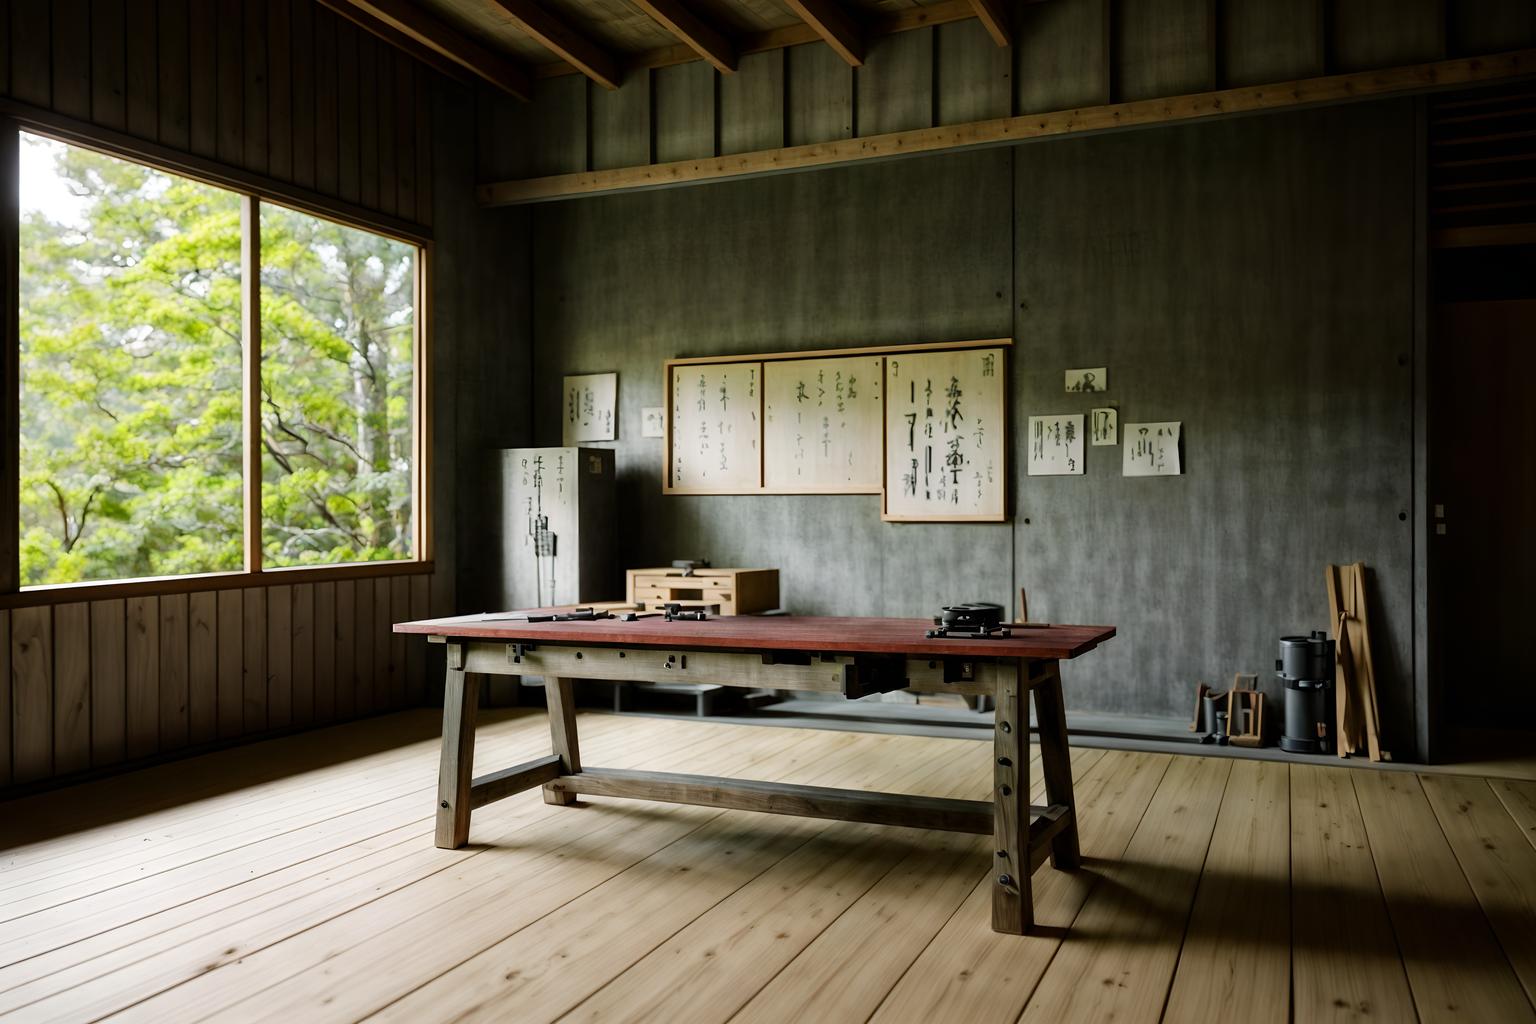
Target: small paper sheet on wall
{"points": [[1151, 449], [591, 404], [1056, 445], [653, 421]]}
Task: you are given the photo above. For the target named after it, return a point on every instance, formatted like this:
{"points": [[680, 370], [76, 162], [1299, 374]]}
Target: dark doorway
{"points": [[1482, 494]]}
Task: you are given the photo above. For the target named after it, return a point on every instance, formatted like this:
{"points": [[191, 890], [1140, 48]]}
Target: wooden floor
{"points": [[231, 888]]}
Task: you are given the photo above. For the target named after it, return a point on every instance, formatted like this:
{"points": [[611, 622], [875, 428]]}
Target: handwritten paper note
{"points": [[717, 432], [1151, 449], [1056, 445], [541, 525], [591, 404], [1104, 426], [821, 425], [653, 421], [1092, 378], [944, 435]]}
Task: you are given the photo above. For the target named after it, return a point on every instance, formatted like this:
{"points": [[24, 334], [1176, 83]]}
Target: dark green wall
{"points": [[1253, 278]]}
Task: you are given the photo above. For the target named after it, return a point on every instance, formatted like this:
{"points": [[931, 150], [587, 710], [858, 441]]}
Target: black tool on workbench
{"points": [[577, 615], [978, 620], [677, 613]]}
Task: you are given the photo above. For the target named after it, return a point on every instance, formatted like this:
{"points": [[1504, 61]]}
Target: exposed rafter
{"points": [[589, 58], [402, 18], [835, 26], [694, 33], [906, 19], [994, 17]]}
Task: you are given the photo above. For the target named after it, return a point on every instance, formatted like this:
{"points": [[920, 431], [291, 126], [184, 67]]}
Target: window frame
{"points": [[253, 190]]}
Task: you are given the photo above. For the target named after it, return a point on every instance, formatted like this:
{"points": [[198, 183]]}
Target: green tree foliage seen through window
{"points": [[131, 440]]}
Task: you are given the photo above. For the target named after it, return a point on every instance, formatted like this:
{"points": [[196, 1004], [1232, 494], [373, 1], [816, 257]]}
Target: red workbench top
{"points": [[771, 633]]}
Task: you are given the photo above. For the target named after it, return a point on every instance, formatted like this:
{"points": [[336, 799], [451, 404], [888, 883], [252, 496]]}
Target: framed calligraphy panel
{"points": [[822, 425], [946, 435]]}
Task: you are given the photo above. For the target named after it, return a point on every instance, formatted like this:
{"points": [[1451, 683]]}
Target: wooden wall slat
{"points": [[5, 699], [325, 652], [820, 88], [231, 688], [143, 676], [384, 108], [71, 688], [1271, 41], [72, 58], [1489, 26], [1382, 33], [347, 111], [141, 78], [31, 66], [560, 118], [231, 84], [5, 46], [174, 91], [1164, 47], [751, 104], [174, 668], [254, 676], [32, 693], [203, 78], [684, 116], [621, 123], [399, 611], [109, 693], [324, 64], [405, 135], [254, 86], [975, 75], [303, 654], [202, 667], [423, 133], [345, 628], [365, 680], [415, 648], [1062, 57], [303, 99], [895, 88], [368, 51], [108, 70], [389, 683], [279, 657]]}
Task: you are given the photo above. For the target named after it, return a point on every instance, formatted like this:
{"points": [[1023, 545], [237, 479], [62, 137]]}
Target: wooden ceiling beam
{"points": [[994, 18], [568, 44], [835, 26], [1252, 99], [693, 32], [402, 18]]}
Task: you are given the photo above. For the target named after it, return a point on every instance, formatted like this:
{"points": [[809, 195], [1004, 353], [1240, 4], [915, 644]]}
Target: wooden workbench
{"points": [[848, 656]]}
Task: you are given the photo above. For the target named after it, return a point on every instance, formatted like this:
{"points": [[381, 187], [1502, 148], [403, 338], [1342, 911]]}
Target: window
{"points": [[133, 376], [337, 391]]}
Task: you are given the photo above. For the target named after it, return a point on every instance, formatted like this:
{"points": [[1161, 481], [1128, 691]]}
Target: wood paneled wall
{"points": [[290, 92], [1067, 54], [97, 684], [285, 89]]}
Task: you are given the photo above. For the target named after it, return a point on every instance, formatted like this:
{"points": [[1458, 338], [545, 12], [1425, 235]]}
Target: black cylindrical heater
{"points": [[1305, 666]]}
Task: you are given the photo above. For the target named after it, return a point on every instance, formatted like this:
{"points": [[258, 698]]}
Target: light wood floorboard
{"points": [[297, 880]]}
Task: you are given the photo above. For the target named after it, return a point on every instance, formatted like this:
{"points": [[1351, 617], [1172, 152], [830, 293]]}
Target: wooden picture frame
{"points": [[676, 482]]}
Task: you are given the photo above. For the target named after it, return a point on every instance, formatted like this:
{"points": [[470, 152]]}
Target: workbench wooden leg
{"points": [[1056, 763], [1013, 907], [562, 734], [461, 704]]}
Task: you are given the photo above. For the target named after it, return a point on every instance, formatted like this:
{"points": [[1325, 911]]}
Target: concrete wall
{"points": [[1251, 277]]}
